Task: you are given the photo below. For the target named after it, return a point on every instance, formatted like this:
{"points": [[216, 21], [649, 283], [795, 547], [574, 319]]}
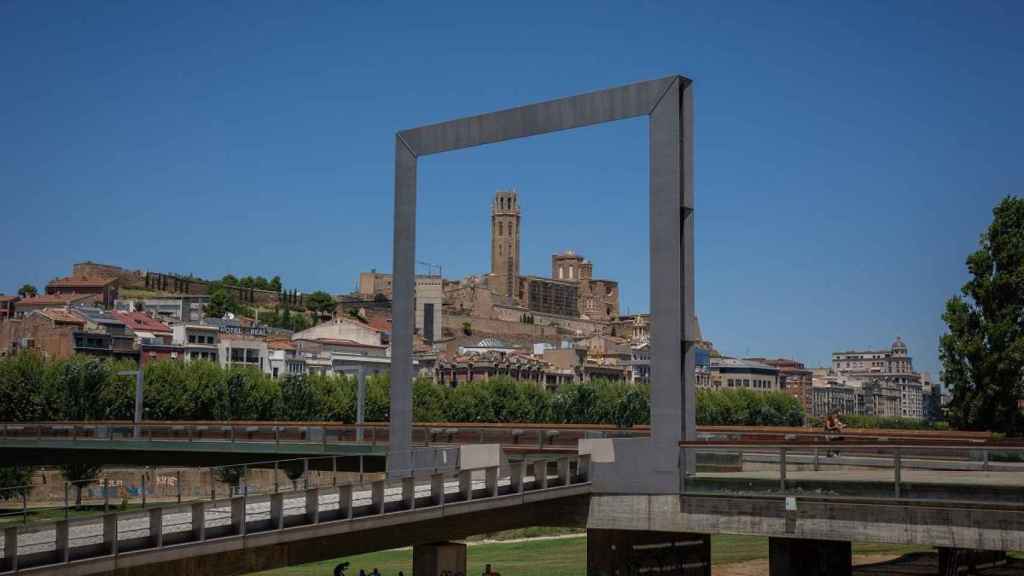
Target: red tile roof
{"points": [[379, 322], [139, 321], [4, 298], [280, 345], [80, 282], [54, 299], [61, 315]]}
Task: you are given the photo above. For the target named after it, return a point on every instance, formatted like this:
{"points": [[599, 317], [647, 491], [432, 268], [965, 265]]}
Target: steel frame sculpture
{"points": [[668, 102]]}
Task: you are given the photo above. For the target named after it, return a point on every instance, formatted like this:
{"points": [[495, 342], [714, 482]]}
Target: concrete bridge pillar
{"points": [[277, 510], [10, 559], [199, 521], [517, 470], [313, 505], [802, 557], [345, 501], [110, 533], [433, 559], [633, 552]]}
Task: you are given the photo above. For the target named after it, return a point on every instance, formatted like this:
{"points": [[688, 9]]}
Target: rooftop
{"points": [[60, 315], [139, 321], [53, 299]]}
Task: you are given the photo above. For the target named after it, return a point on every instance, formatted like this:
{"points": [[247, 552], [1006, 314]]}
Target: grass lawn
{"points": [[563, 557]]}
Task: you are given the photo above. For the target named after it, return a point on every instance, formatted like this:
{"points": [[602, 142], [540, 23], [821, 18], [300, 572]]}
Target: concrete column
{"points": [[313, 505], [10, 548], [409, 493], [952, 560], [377, 496], [563, 471], [199, 521], [277, 511], [583, 468], [110, 533], [61, 545], [802, 557], [466, 484], [437, 489], [638, 551], [491, 480], [517, 472], [433, 559], [238, 516], [540, 474], [156, 526]]}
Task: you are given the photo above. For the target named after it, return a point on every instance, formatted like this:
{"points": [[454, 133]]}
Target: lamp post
{"points": [[360, 402], [137, 420]]}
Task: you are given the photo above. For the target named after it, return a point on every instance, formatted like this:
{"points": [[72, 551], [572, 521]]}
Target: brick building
{"points": [[104, 289], [794, 379], [48, 331], [7, 306]]}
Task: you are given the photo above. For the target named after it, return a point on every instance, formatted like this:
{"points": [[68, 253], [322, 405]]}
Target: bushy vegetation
{"points": [[85, 388], [740, 407]]}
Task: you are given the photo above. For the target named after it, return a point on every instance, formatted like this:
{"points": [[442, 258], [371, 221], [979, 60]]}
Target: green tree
{"points": [[27, 291], [275, 284], [299, 400], [15, 481], [321, 302], [983, 352], [22, 388], [230, 475], [221, 302], [80, 475]]}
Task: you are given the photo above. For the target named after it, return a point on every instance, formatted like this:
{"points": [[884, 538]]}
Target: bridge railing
{"points": [[514, 437], [121, 488], [248, 509], [851, 467]]}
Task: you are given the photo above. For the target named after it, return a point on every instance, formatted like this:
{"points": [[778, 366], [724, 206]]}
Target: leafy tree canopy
{"points": [[983, 352]]}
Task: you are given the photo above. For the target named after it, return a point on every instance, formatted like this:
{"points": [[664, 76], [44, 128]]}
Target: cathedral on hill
{"points": [[571, 291]]}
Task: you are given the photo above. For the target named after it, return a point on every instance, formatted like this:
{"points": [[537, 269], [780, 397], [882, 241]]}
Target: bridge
{"points": [[650, 500]]}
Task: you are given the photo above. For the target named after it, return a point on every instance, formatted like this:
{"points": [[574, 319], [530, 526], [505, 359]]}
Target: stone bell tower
{"points": [[504, 278]]}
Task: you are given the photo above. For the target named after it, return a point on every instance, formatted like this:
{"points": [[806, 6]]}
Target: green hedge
{"points": [[85, 388], [888, 422]]}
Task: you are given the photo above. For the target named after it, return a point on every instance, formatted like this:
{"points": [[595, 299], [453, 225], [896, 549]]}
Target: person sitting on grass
{"points": [[489, 572]]}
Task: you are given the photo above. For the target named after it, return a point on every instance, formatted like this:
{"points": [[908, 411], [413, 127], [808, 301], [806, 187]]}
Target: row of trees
{"points": [[257, 282], [83, 388]]}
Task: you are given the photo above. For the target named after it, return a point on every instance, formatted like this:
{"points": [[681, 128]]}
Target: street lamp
{"points": [[136, 431]]}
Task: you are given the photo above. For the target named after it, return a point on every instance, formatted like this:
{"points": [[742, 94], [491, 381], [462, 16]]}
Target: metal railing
{"points": [[514, 437], [850, 467], [248, 509]]}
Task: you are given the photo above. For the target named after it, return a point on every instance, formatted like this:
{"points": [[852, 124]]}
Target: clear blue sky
{"points": [[848, 154]]}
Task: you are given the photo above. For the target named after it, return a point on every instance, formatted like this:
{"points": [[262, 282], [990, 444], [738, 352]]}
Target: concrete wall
{"points": [[994, 528]]}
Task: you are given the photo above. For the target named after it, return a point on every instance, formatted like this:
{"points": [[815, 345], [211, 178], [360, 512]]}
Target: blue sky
{"points": [[848, 155]]}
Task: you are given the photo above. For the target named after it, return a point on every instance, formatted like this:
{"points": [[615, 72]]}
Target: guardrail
{"points": [[154, 485], [851, 467], [521, 437], [248, 511]]}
